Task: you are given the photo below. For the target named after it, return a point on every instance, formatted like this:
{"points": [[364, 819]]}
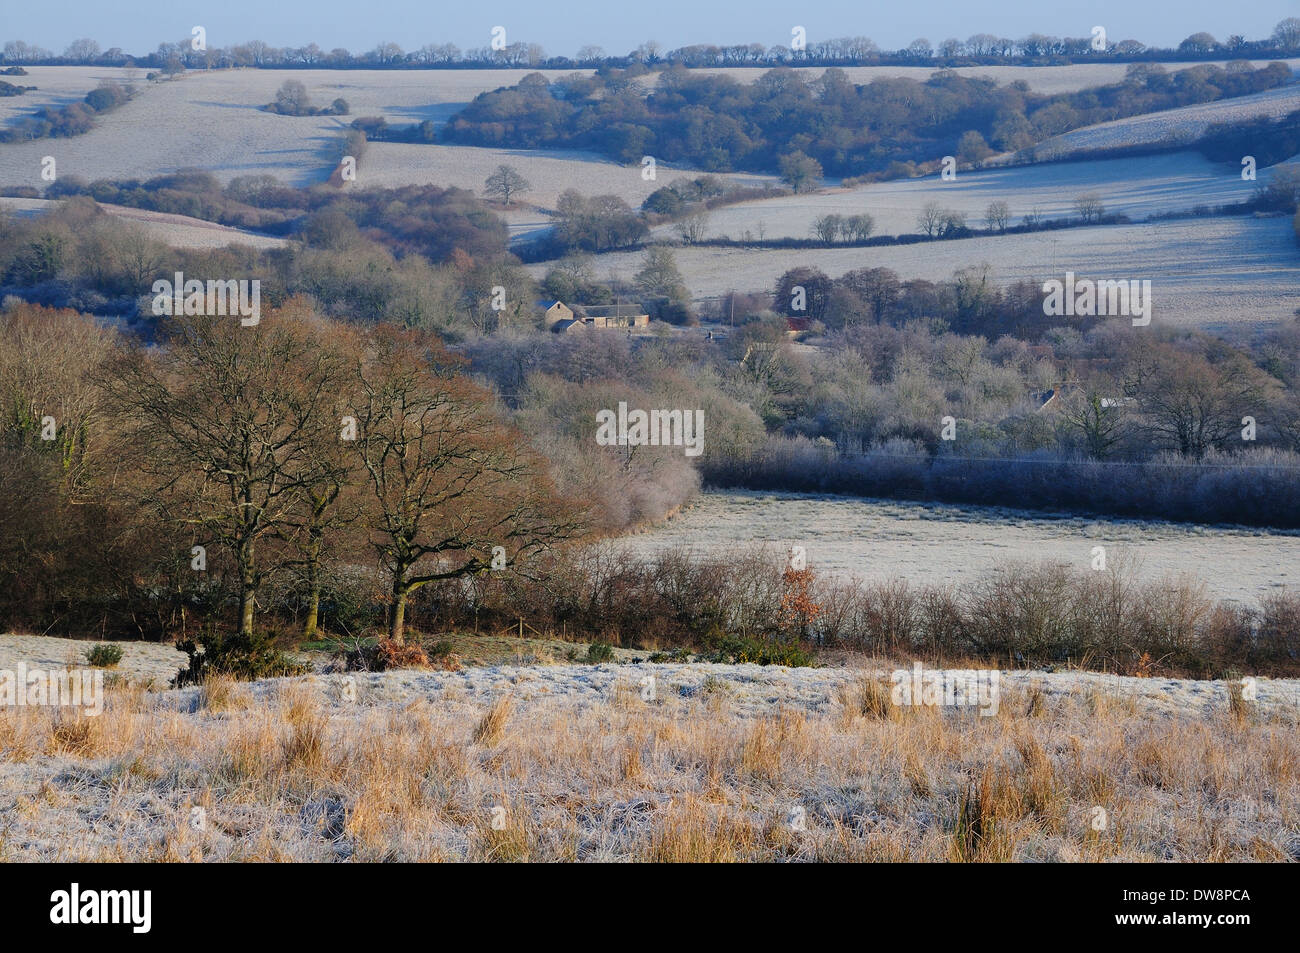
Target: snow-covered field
{"points": [[1209, 273], [213, 121], [548, 173], [144, 663], [1173, 125], [1138, 188], [179, 231], [949, 545], [654, 762], [1041, 79]]}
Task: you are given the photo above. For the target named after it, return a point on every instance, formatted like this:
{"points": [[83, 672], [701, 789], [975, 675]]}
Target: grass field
{"points": [[1173, 125], [670, 762], [179, 231], [1041, 79], [213, 121], [1138, 188], [949, 545], [1215, 274]]}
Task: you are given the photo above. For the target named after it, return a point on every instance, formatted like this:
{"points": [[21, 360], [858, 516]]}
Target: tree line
{"points": [[978, 49]]}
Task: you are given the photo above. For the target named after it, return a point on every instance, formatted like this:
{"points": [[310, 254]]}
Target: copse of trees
{"points": [[73, 119], [425, 219], [681, 194], [420, 257], [786, 123], [292, 99], [250, 455], [595, 224], [1117, 393], [230, 423]]}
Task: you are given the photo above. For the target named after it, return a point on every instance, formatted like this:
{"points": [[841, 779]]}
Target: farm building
{"points": [[554, 311], [560, 318]]}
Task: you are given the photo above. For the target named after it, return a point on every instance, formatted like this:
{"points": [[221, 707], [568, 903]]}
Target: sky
{"points": [[562, 26]]}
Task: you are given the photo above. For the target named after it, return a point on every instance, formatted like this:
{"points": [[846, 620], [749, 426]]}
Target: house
{"points": [[620, 315], [1048, 398], [553, 311], [561, 319]]}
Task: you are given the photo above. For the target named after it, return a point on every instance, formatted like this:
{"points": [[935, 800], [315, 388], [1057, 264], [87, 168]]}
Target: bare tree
{"points": [[505, 182], [1090, 207], [1191, 404], [327, 469], [857, 227], [827, 227], [1097, 414], [694, 225], [931, 218], [291, 99], [449, 481], [997, 215], [221, 417]]}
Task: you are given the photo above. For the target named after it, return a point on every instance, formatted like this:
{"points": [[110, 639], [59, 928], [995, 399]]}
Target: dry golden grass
{"points": [[493, 726], [286, 771]]}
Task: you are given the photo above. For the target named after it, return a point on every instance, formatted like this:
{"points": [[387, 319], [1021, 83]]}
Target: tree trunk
{"points": [[314, 586], [397, 625], [246, 599], [247, 587], [313, 613]]}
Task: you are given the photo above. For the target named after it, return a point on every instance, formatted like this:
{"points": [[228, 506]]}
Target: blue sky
{"points": [[561, 26]]}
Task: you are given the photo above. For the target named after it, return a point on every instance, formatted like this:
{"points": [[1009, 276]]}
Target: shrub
{"points": [[599, 652], [104, 655], [390, 653], [737, 650], [238, 656], [387, 654]]}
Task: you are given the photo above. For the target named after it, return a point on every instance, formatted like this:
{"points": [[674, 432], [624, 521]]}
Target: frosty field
{"points": [[1041, 79], [1138, 188], [942, 544], [211, 120], [578, 762], [179, 231], [1215, 274], [1173, 125], [548, 173]]}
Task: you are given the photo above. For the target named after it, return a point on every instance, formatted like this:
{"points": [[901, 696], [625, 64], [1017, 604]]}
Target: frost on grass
{"points": [[577, 762]]}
